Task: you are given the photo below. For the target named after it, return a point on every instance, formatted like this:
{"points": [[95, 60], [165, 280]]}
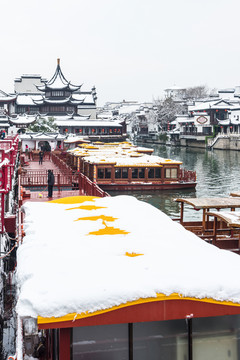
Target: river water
{"points": [[217, 175]]}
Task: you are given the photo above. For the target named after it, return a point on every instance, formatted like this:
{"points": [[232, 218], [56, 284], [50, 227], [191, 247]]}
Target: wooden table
{"points": [[231, 218], [206, 204]]}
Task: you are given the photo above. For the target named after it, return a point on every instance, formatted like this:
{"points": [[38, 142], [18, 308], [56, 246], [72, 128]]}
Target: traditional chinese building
{"points": [[56, 97]]}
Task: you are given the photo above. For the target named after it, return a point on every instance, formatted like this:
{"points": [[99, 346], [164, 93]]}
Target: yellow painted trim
{"points": [[74, 199], [159, 297]]}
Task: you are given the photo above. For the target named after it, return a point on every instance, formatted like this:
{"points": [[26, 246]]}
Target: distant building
{"points": [[56, 97]]}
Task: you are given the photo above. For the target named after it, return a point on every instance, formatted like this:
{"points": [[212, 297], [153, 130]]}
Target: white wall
{"points": [[27, 84]]}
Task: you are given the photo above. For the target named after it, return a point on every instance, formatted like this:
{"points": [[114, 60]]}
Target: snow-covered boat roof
{"points": [[120, 154], [82, 255]]}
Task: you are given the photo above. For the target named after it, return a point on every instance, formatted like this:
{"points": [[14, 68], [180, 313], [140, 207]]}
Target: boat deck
{"points": [[40, 193]]}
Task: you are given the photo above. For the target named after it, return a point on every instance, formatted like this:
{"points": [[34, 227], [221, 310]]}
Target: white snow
{"points": [[62, 268]]}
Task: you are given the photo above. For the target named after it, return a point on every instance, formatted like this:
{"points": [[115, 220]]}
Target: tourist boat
{"points": [[133, 297], [123, 166], [118, 295]]}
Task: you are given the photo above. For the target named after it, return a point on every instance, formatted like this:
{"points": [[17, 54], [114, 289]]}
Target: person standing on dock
{"points": [[41, 157], [51, 181]]}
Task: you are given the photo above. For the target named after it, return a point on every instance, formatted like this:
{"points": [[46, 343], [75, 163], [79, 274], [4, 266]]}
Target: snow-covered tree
{"points": [[167, 110], [44, 125]]}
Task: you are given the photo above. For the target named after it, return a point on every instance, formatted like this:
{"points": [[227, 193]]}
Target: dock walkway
{"points": [[33, 180]]}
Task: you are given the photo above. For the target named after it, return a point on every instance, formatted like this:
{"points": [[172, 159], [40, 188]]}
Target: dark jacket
{"points": [[51, 178]]}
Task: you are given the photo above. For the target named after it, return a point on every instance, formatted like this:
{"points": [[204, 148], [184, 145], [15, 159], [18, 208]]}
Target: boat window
{"points": [[167, 173], [117, 173], [158, 173], [121, 173], [151, 173], [107, 173], [109, 342], [141, 173], [174, 173], [125, 173], [135, 173], [161, 340], [100, 173], [171, 173]]}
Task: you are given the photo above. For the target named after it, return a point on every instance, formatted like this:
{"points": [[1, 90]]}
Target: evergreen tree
{"points": [[44, 125]]}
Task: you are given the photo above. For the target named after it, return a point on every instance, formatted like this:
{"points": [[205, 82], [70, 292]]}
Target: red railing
{"points": [[90, 188], [187, 175], [39, 178], [63, 179], [61, 164]]}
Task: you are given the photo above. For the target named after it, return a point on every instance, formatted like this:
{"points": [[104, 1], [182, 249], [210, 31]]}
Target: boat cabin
{"points": [[128, 168]]}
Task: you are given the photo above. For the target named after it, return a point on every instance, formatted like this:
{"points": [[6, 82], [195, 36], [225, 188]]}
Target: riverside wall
{"points": [[227, 143]]}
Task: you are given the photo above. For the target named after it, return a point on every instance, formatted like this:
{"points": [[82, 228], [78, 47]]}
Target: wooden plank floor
{"points": [[40, 195], [43, 195], [46, 165]]}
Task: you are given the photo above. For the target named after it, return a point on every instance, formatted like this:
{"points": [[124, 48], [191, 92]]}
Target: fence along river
{"points": [[218, 174]]}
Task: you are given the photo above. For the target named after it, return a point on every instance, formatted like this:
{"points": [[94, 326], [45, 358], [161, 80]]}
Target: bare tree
{"points": [[196, 92]]}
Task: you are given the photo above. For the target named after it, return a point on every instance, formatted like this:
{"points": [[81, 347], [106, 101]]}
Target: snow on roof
{"points": [[128, 109], [92, 254], [219, 104], [23, 119], [121, 154], [42, 135], [80, 122], [6, 97], [28, 99], [86, 98]]}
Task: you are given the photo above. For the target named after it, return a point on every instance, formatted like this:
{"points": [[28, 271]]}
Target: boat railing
{"points": [[33, 178], [60, 163], [77, 181], [187, 175], [89, 187]]}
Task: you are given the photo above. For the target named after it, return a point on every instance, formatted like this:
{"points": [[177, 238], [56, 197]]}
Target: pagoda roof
{"points": [[62, 100], [23, 119], [58, 82], [4, 97], [42, 135]]}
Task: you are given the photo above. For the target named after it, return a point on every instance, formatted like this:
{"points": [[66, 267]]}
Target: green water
{"points": [[217, 175]]}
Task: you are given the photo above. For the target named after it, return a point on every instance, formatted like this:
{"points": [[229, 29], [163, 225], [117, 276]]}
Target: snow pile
{"points": [[76, 258]]}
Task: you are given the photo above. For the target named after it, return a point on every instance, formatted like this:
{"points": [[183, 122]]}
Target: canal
{"points": [[217, 175]]}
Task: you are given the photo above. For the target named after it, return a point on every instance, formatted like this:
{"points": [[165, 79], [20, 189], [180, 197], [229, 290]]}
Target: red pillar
{"points": [[64, 344]]}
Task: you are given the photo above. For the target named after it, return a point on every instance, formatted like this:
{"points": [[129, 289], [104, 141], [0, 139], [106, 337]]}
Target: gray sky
{"points": [[128, 49]]}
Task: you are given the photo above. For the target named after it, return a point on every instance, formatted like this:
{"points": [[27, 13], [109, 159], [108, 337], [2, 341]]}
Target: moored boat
{"points": [[123, 166], [108, 293]]}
